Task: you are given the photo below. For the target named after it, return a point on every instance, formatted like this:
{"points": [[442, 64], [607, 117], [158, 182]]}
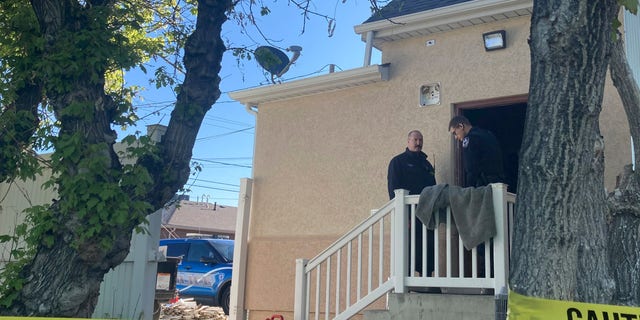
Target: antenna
{"points": [[275, 61]]}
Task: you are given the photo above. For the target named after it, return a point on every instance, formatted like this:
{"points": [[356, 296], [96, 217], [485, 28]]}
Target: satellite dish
{"points": [[271, 59], [274, 60]]}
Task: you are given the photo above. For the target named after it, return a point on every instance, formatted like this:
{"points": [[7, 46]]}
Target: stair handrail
{"points": [[351, 234], [305, 266], [398, 239]]}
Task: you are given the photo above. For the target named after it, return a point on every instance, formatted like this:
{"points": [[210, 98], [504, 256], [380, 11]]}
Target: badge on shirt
{"points": [[465, 142]]}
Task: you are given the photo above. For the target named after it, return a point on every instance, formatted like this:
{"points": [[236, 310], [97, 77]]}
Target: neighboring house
{"points": [[322, 144], [186, 217]]}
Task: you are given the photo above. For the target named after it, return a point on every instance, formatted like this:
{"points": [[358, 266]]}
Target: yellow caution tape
{"points": [[527, 308]]}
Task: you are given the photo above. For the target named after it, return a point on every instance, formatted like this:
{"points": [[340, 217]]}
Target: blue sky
{"points": [[224, 146]]}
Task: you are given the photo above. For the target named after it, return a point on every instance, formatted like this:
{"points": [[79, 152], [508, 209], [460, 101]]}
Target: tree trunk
{"points": [[559, 236], [64, 283], [64, 278], [624, 201], [202, 56], [624, 238]]}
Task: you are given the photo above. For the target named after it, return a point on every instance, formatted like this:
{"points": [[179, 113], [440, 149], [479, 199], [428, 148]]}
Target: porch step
{"points": [[431, 306]]}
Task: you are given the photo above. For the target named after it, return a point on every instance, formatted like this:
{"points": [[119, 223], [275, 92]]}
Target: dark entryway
{"points": [[505, 118]]}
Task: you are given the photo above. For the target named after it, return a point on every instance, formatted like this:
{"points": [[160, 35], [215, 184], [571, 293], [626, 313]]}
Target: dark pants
{"points": [[482, 255]]}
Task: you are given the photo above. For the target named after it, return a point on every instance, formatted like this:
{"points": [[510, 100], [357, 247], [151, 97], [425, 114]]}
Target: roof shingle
{"points": [[397, 8], [201, 217]]}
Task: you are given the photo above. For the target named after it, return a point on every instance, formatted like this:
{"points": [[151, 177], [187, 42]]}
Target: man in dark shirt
{"points": [[412, 171], [481, 153], [482, 162]]}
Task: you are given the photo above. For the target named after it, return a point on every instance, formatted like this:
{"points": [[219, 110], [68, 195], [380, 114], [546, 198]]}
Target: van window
{"points": [[225, 248], [177, 249], [198, 251]]}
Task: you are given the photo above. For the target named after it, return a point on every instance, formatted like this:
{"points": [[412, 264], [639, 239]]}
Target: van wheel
{"points": [[225, 299]]}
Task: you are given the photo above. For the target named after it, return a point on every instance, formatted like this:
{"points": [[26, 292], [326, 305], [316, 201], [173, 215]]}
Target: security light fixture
{"points": [[495, 40]]}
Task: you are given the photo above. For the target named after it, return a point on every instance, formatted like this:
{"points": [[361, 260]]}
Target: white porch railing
{"points": [[370, 260]]}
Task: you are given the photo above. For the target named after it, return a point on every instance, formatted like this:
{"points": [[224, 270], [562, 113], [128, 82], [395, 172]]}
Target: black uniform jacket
{"points": [[411, 171], [482, 158]]}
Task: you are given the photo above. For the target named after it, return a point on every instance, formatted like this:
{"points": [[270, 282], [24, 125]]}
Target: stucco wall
{"points": [[320, 161]]}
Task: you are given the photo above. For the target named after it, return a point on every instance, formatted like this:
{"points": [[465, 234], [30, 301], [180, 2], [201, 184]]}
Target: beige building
{"points": [[323, 144]]}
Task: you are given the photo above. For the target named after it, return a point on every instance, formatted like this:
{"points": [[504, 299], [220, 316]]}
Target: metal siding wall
{"points": [[114, 298], [128, 291], [632, 42], [14, 198], [632, 45]]}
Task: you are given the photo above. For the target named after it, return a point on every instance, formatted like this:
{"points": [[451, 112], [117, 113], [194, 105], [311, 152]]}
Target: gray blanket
{"points": [[471, 208]]}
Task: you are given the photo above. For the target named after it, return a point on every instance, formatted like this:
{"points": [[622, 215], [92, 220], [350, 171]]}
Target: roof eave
{"points": [[444, 19], [324, 83]]}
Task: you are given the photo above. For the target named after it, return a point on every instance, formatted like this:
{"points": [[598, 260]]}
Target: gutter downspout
{"points": [[250, 109], [368, 48]]}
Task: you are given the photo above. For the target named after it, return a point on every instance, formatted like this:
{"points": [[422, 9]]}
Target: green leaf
{"points": [[48, 241], [630, 5]]}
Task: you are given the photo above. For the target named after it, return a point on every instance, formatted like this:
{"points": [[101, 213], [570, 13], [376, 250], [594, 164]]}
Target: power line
{"points": [[212, 188], [223, 163], [224, 134], [225, 120], [162, 105], [233, 158], [219, 126], [222, 183], [154, 104]]}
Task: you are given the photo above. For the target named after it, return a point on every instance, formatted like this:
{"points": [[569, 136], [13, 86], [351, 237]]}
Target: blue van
{"points": [[204, 272]]}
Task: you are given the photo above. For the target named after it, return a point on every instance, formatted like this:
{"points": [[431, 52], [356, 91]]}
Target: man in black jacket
{"points": [[481, 153], [412, 171], [482, 162]]}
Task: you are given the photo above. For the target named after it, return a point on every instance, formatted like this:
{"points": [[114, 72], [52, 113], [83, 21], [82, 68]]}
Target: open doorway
{"points": [[505, 118]]}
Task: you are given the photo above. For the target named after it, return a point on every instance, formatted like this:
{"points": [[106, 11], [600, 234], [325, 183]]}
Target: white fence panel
{"points": [[128, 291]]}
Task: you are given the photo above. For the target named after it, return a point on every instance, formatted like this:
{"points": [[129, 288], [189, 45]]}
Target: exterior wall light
{"points": [[495, 40]]}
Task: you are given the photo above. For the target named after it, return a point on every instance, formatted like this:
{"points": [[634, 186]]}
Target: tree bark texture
{"points": [[61, 280], [624, 201], [624, 238], [560, 229], [203, 53]]}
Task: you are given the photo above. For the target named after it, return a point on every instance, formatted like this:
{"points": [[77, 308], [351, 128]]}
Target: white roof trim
{"points": [[411, 25], [446, 18], [329, 82]]}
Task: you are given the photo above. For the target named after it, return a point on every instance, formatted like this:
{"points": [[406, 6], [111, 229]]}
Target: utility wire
{"points": [[222, 183], [233, 158], [224, 134], [223, 163], [213, 188]]}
